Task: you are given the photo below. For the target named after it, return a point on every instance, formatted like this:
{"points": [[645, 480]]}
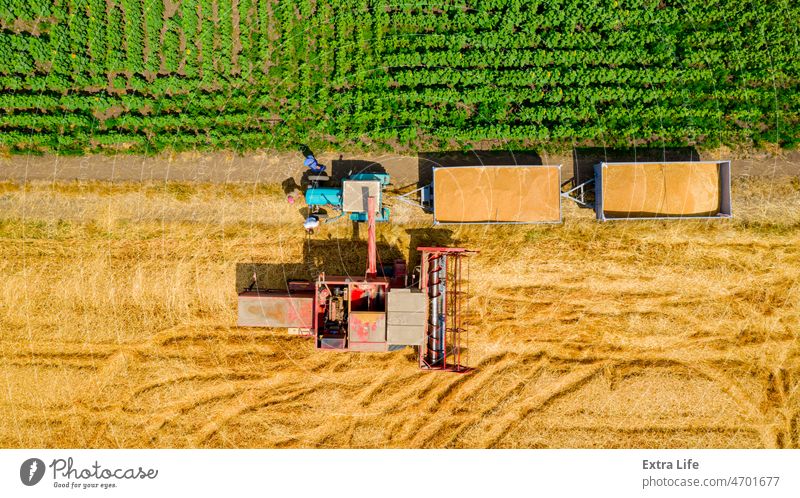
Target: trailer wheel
{"points": [[318, 178]]}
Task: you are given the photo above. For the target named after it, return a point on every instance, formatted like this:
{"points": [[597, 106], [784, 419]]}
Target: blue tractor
{"points": [[351, 198]]}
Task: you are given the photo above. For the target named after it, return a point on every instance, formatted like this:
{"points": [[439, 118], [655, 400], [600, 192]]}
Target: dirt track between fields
{"points": [[275, 167]]}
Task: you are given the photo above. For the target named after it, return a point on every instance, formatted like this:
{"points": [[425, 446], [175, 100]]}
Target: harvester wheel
{"points": [[318, 178]]}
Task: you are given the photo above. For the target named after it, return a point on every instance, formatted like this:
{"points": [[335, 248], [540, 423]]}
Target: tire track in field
{"points": [[777, 406], [468, 421], [234, 380], [169, 414], [251, 400], [731, 387], [216, 385], [444, 387], [431, 417], [772, 416], [446, 427], [174, 414], [54, 355], [251, 390], [226, 375], [365, 405], [378, 395], [572, 381], [419, 393]]}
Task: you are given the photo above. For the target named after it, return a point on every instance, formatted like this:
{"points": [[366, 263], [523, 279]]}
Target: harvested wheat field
{"points": [[118, 312]]}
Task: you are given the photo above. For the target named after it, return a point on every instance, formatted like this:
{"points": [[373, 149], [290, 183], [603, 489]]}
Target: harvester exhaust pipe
{"points": [[437, 274]]}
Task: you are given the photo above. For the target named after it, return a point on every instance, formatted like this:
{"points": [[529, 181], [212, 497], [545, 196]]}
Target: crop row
{"points": [[136, 75]]}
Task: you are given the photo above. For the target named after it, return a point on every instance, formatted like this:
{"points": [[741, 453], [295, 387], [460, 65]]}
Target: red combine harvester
{"points": [[373, 312]]}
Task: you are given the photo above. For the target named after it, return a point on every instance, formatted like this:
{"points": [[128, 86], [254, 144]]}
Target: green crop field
{"points": [[148, 75]]}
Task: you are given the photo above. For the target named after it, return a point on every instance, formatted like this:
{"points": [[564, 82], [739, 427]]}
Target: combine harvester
{"points": [[374, 311]]}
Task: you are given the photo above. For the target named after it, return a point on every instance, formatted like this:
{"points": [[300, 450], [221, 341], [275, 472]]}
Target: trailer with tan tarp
{"points": [[659, 190], [618, 191], [497, 194]]}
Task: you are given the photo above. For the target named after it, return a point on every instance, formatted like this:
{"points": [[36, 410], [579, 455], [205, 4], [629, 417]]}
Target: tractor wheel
{"points": [[318, 178]]}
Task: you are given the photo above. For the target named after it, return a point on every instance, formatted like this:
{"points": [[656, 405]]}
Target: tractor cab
{"points": [[350, 198]]}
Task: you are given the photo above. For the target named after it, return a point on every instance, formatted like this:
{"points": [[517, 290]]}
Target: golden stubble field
{"points": [[118, 311]]}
